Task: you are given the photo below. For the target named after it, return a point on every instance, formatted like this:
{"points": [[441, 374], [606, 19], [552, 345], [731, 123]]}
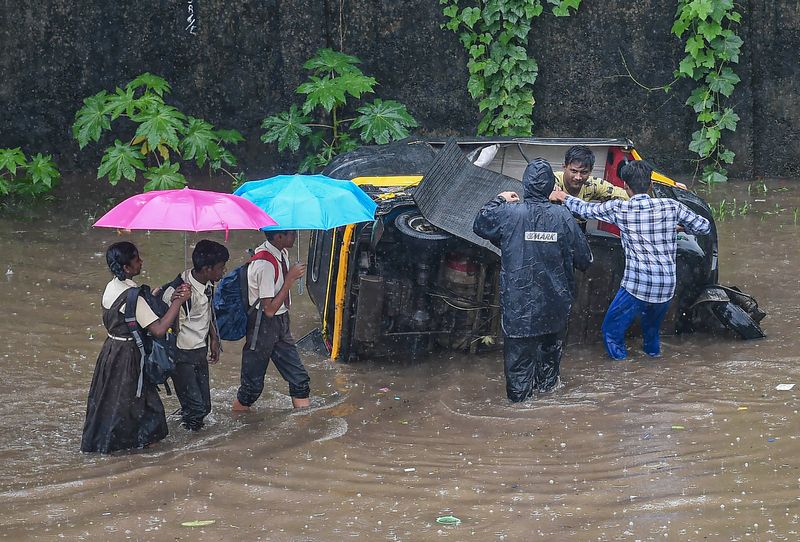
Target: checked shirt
{"points": [[649, 238]]}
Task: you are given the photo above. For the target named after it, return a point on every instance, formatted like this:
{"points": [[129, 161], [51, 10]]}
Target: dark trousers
{"points": [[191, 386], [624, 309], [273, 341], [531, 363]]}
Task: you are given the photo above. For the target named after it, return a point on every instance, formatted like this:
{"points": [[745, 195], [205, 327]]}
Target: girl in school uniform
{"points": [[115, 418]]}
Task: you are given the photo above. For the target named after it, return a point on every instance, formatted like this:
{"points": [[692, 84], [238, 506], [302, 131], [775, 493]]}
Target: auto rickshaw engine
{"points": [[435, 302], [455, 300]]}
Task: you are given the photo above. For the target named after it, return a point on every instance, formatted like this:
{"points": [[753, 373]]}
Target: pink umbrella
{"points": [[186, 210]]}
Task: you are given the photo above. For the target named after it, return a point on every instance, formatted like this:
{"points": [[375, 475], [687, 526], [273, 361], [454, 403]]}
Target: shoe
{"points": [[239, 407]]}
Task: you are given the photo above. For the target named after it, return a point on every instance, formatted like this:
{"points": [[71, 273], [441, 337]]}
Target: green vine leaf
{"points": [[470, 16], [711, 43], [727, 156], [495, 34], [561, 7], [728, 120], [121, 160], [723, 82], [383, 121], [164, 177]]}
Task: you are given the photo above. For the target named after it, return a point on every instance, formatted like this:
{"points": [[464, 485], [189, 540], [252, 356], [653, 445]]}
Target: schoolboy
{"points": [[648, 228], [197, 340], [268, 335]]}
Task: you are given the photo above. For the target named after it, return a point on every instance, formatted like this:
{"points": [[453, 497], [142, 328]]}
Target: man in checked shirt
{"points": [[648, 227]]}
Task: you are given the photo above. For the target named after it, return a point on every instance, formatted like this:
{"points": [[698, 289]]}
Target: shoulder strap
{"points": [[268, 256], [133, 327], [174, 283]]}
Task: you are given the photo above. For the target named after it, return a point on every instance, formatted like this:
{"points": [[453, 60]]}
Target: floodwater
{"points": [[697, 445]]}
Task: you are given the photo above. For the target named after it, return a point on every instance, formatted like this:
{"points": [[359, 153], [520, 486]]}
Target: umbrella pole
{"points": [[300, 283], [185, 250]]}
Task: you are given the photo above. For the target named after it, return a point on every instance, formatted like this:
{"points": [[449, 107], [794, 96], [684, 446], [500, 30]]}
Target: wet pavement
{"points": [[697, 445]]}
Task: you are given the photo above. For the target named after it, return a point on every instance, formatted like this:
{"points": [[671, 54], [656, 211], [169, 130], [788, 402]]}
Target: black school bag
{"points": [[157, 354]]}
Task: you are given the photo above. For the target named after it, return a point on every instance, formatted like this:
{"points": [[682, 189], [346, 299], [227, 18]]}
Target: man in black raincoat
{"points": [[540, 244]]}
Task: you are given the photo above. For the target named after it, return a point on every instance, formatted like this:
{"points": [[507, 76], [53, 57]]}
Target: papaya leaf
{"points": [[42, 170], [122, 101], [229, 136], [150, 82], [382, 121], [161, 125], [5, 187], [91, 119], [325, 92], [198, 136], [286, 128], [164, 177], [11, 158], [329, 92], [121, 160], [163, 151], [147, 102], [327, 61]]}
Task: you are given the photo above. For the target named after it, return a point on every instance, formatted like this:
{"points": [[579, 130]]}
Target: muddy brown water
{"points": [[697, 445]]}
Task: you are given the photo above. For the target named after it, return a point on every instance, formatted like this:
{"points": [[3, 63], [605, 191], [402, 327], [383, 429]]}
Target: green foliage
{"points": [[725, 210], [501, 74], [162, 138], [20, 176], [711, 46], [317, 126]]}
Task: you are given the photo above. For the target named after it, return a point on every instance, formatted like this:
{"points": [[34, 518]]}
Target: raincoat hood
{"points": [[538, 180]]}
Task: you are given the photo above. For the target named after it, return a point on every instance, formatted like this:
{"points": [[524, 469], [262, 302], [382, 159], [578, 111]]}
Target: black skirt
{"points": [[115, 418]]}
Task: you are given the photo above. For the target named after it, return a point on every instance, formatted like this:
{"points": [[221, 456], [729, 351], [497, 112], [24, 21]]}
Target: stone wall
{"points": [[244, 60]]}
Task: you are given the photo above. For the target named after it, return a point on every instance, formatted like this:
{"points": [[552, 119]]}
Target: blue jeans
{"points": [[620, 315]]}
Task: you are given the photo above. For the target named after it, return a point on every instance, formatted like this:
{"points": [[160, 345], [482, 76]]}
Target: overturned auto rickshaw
{"points": [[418, 279]]}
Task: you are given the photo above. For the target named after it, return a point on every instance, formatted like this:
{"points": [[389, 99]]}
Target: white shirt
{"points": [[144, 314], [261, 282], [194, 326]]}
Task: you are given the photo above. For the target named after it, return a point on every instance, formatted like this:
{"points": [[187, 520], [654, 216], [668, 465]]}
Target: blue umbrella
{"points": [[309, 202]]}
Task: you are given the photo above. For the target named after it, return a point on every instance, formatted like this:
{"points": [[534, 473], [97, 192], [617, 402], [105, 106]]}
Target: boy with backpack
{"points": [[269, 282], [197, 338]]}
